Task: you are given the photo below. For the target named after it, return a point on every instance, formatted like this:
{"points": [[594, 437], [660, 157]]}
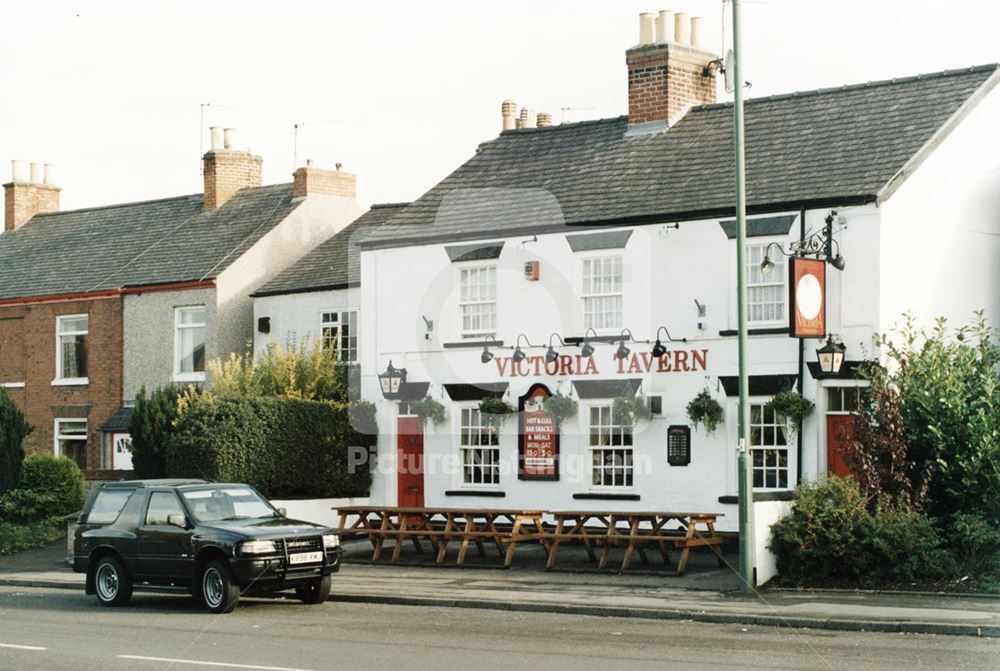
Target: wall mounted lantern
{"points": [[623, 351], [551, 354], [391, 380], [487, 355], [831, 356], [658, 349], [586, 349], [519, 354], [819, 244]]}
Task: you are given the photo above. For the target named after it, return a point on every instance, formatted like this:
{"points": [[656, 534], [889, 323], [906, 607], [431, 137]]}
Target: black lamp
{"points": [[519, 354], [487, 355], [551, 354], [831, 356], [391, 379], [658, 349], [587, 349]]}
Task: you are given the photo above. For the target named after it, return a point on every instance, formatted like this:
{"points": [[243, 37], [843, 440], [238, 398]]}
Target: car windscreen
{"points": [[108, 504], [227, 503]]}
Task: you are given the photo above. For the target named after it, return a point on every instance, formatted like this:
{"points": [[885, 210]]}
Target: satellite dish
{"points": [[728, 70]]}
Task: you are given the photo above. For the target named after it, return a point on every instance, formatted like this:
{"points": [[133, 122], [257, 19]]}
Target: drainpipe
{"points": [[802, 365]]}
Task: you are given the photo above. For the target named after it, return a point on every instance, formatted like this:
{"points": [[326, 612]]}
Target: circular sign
{"points": [[808, 296]]}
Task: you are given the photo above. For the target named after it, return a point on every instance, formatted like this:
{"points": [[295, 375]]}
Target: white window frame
{"points": [[777, 278], [603, 256], [481, 333], [194, 376], [779, 423], [57, 435], [324, 323], [60, 379], [467, 469], [628, 466]]}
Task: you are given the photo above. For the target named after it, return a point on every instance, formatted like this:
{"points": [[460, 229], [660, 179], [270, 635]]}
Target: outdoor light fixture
{"points": [[622, 352], [819, 244], [519, 354], [487, 355], [587, 349], [551, 355], [831, 356], [658, 349], [391, 379]]}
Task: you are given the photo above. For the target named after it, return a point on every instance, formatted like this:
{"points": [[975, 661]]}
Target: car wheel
{"points": [[315, 591], [112, 582], [219, 591]]}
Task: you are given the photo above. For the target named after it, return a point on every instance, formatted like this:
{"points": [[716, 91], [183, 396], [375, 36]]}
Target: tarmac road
{"points": [[66, 630]]}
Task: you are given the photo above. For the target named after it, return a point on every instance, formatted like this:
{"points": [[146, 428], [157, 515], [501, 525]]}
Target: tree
{"points": [[309, 372], [13, 430], [152, 425]]}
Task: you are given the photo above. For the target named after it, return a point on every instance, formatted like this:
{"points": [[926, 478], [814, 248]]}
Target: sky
{"points": [[119, 95]]}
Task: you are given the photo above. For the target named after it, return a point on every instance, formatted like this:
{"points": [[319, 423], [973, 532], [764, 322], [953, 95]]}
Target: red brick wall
{"points": [[666, 79], [226, 172], [34, 327], [306, 181], [23, 201]]}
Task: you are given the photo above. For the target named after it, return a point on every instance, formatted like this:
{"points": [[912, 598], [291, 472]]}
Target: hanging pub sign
{"points": [[807, 297], [538, 437]]}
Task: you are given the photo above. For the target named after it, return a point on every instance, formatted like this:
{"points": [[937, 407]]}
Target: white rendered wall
{"points": [[295, 318]]}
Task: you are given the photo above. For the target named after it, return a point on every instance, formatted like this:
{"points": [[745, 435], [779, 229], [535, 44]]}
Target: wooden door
{"points": [[410, 462], [839, 430]]}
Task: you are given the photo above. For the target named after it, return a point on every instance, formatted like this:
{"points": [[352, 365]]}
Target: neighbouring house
{"points": [[317, 298], [597, 260], [99, 302]]}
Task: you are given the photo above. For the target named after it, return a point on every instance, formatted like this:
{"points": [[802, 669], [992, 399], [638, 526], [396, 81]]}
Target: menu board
{"points": [[538, 437]]}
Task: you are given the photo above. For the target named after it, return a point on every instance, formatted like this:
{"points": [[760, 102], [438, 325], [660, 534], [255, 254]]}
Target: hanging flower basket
{"points": [[630, 410], [427, 410], [705, 410], [791, 405], [494, 411], [561, 407]]}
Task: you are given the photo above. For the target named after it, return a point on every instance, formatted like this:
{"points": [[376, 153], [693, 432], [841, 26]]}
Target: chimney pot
{"points": [[544, 119], [682, 28], [36, 173], [698, 32], [227, 137], [216, 134], [665, 27], [309, 162], [527, 118], [24, 198], [646, 28], [508, 110], [50, 174], [17, 171]]}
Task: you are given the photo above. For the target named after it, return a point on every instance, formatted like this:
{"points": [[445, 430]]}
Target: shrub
{"points": [[308, 371], [18, 537], [13, 430], [286, 448], [975, 541], [152, 425], [50, 487], [832, 536]]}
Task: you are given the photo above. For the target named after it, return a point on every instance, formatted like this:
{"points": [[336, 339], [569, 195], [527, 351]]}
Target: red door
{"points": [[839, 430], [410, 466]]}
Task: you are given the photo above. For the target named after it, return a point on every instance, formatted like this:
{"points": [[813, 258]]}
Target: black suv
{"points": [[214, 540]]}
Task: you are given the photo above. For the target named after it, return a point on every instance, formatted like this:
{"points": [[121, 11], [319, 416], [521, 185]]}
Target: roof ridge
{"points": [[562, 126], [117, 205], [377, 206], [854, 87]]}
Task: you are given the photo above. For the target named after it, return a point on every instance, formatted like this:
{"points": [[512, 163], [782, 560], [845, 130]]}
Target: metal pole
{"points": [[745, 475]]}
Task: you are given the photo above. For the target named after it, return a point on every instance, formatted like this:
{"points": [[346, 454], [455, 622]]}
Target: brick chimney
{"points": [[668, 71], [24, 198], [308, 181], [227, 170]]}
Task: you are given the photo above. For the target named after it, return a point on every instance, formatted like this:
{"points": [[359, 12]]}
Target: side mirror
{"points": [[177, 520], [283, 512]]}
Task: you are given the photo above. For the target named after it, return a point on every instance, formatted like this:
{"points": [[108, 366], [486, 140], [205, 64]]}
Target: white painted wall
{"points": [[295, 318], [317, 511], [765, 514]]}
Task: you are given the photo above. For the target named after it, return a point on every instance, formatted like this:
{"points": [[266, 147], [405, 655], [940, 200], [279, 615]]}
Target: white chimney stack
{"points": [[50, 174], [665, 27], [698, 32], [509, 112], [646, 28], [527, 118], [682, 28], [216, 134], [17, 172], [227, 137], [36, 173]]}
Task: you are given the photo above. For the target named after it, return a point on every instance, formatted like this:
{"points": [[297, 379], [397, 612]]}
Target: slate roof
{"points": [[136, 244], [121, 420], [828, 147], [335, 263]]}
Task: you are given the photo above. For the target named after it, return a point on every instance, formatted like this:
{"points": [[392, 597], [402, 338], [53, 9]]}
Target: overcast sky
{"points": [[399, 92]]}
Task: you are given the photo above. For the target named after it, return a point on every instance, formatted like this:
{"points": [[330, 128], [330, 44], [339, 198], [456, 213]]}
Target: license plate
{"points": [[305, 558]]}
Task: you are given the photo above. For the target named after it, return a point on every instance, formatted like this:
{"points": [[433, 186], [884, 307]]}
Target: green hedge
{"points": [[152, 423], [13, 430], [50, 487], [284, 447]]}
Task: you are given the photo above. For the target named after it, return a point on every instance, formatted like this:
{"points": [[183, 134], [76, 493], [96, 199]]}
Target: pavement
{"points": [[706, 594]]}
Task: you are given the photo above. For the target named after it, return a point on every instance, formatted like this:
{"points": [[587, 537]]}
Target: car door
{"points": [[164, 549]]}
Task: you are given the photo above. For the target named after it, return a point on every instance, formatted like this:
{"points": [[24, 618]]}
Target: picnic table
{"points": [[479, 526]]}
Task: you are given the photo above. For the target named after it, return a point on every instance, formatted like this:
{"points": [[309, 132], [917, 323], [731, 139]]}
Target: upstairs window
{"points": [[189, 343], [602, 293], [766, 294], [478, 301], [339, 330], [71, 358]]}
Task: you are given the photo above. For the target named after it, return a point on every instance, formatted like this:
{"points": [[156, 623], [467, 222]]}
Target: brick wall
{"points": [[308, 180], [664, 80], [23, 201], [226, 172], [32, 328]]}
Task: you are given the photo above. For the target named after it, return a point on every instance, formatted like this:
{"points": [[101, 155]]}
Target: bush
{"points": [[13, 430], [285, 447], [152, 425], [50, 487], [975, 541], [18, 537], [831, 536], [309, 372]]}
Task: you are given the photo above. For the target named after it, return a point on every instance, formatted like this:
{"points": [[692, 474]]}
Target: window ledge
{"points": [[189, 377], [69, 382], [12, 385], [606, 496], [494, 493], [783, 495]]}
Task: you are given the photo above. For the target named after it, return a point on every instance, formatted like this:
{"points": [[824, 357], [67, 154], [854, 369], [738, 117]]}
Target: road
{"points": [[66, 630]]}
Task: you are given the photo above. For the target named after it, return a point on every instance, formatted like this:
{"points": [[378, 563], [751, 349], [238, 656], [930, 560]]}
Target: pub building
{"points": [[597, 261]]}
